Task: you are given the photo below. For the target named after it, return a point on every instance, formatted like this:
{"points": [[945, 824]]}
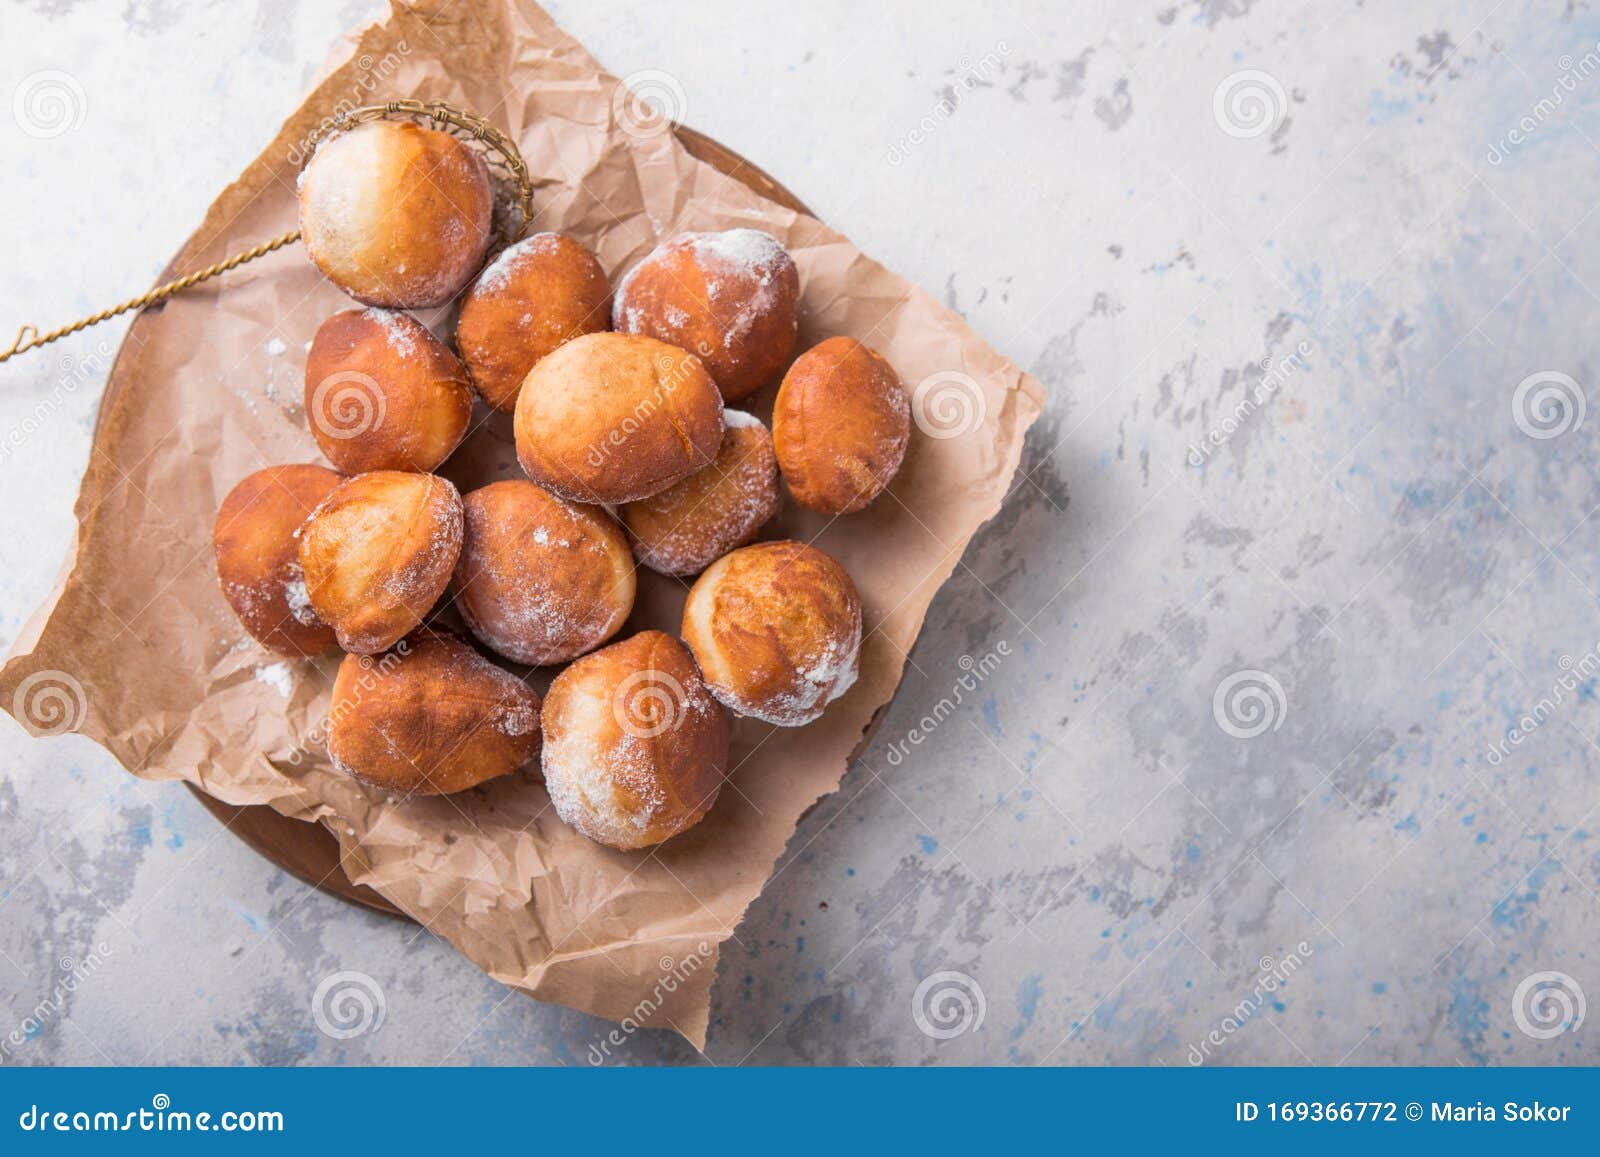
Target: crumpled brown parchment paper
{"points": [[145, 657]]}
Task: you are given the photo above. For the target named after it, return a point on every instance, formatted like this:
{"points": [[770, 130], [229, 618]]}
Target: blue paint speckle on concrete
{"points": [[256, 923], [1381, 108], [1513, 911], [1469, 1013], [1028, 994]]}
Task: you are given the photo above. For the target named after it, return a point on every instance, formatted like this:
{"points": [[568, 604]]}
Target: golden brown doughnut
{"points": [[731, 297], [538, 294], [377, 554], [395, 214], [840, 426], [687, 527], [611, 417], [429, 717], [776, 629], [540, 580], [634, 746], [382, 393], [258, 557]]}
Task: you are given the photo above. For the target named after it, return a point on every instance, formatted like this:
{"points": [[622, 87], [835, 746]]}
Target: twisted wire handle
{"points": [[28, 337]]}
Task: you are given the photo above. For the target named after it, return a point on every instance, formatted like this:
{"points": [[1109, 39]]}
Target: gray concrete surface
{"points": [[1234, 785]]}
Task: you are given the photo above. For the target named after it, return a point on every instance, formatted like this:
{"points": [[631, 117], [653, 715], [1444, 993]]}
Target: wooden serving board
{"points": [[308, 851]]}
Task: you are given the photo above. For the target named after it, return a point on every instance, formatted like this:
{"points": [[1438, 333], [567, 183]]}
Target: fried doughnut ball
{"points": [[430, 717], [541, 580], [730, 297], [840, 426], [377, 554], [258, 558], [687, 527], [634, 746], [382, 393], [776, 628], [395, 214], [540, 293], [610, 417]]}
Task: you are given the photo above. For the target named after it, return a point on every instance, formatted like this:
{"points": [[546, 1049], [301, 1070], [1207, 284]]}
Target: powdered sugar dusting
{"points": [[834, 670], [515, 712], [397, 328], [743, 265], [299, 599], [542, 583], [372, 580], [818, 682], [583, 775], [501, 270], [421, 579], [777, 630], [517, 719], [747, 252], [278, 677], [690, 525], [613, 786], [337, 193], [247, 599]]}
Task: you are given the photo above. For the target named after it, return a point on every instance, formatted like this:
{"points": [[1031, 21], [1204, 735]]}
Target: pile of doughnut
{"points": [[622, 410]]}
